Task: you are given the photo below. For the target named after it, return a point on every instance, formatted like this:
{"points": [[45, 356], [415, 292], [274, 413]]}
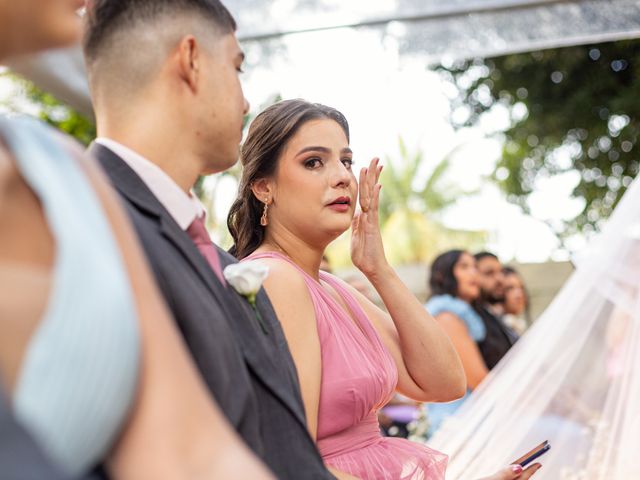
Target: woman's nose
{"points": [[341, 176]]}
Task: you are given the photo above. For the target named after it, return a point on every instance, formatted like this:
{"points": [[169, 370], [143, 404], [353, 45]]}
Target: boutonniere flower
{"points": [[246, 278]]}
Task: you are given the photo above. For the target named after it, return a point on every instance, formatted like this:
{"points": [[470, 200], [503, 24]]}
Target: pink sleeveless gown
{"points": [[359, 376]]}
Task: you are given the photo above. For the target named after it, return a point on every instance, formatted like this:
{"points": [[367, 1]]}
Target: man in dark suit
{"points": [[499, 337], [169, 108]]}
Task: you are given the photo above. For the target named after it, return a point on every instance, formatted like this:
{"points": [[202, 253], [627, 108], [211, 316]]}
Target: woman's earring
{"points": [[264, 221]]}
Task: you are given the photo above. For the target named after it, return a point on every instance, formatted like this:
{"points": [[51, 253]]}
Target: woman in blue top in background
{"points": [[454, 287]]}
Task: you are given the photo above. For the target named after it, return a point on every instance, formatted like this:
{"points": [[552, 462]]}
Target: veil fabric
{"points": [[572, 379]]}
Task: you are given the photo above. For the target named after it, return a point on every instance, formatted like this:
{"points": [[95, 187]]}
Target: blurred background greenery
{"points": [[572, 110]]}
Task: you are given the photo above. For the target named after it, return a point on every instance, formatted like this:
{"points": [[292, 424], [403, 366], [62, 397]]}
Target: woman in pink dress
{"points": [[297, 194]]}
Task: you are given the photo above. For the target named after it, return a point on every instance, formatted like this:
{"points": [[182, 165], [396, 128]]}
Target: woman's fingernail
{"points": [[517, 469]]}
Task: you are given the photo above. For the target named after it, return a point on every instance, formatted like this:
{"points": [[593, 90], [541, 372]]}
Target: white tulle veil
{"points": [[573, 378]]}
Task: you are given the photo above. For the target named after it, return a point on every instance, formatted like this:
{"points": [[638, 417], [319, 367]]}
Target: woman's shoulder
{"points": [[281, 270], [448, 304], [286, 284]]}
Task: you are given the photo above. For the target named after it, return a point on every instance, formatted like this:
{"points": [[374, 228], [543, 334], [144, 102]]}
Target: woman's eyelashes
{"points": [[313, 162], [316, 162]]}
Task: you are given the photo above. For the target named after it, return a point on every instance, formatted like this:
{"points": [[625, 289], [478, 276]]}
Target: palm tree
{"points": [[410, 207]]}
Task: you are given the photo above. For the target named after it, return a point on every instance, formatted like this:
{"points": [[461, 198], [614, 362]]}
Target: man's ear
{"points": [[189, 61], [263, 191]]}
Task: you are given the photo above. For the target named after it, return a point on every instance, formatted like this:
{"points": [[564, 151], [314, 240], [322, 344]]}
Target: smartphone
{"points": [[532, 454]]}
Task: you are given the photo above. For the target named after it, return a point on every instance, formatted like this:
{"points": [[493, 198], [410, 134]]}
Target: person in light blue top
{"points": [[89, 357], [79, 370], [454, 288]]}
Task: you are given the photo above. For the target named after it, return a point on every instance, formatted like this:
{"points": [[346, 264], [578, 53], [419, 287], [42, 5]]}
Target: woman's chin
{"points": [[332, 232], [341, 227]]}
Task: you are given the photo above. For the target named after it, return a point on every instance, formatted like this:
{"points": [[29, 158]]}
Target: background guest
{"points": [[499, 338], [453, 282], [516, 301]]}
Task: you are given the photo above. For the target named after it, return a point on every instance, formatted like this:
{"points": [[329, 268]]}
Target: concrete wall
{"points": [[543, 280]]}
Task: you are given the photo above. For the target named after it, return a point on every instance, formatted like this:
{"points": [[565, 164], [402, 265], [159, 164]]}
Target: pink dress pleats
{"points": [[359, 376]]}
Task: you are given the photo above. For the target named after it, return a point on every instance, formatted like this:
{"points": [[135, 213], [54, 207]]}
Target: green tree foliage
{"points": [[574, 108], [50, 110]]}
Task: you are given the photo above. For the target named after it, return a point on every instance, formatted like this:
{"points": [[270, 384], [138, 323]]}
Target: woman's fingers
{"points": [[375, 201], [530, 471], [363, 190], [368, 187], [515, 472], [378, 169], [372, 174], [355, 223]]}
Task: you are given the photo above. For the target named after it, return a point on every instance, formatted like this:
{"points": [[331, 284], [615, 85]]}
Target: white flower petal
{"points": [[246, 277]]}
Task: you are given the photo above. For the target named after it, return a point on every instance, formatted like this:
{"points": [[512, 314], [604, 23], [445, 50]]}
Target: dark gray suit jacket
{"points": [[251, 375]]}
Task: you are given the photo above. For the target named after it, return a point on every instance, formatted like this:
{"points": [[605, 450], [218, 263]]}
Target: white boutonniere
{"points": [[246, 278]]}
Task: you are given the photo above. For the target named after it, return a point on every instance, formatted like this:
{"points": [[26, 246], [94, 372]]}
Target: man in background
{"points": [[499, 338]]}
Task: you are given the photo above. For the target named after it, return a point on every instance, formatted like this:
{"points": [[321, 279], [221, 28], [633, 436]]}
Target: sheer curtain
{"points": [[573, 379]]}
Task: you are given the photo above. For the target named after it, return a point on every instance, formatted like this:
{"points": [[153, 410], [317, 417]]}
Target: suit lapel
{"points": [[257, 348], [131, 186], [266, 309]]}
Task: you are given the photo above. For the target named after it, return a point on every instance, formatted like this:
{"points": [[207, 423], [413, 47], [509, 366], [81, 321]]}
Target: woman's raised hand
{"points": [[367, 251]]}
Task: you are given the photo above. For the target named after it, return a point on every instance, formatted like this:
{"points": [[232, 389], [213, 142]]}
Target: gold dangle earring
{"points": [[264, 221]]}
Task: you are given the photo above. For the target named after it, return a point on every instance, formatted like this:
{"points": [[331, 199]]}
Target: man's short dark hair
{"points": [[105, 18], [480, 255]]}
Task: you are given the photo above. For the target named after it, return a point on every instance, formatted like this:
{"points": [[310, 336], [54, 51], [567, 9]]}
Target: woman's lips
{"points": [[339, 207], [340, 204]]}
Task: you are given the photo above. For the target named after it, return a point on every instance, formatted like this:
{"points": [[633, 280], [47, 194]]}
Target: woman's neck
{"points": [[306, 256]]}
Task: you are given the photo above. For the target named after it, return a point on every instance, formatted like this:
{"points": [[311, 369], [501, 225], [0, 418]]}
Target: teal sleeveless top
{"points": [[79, 373]]}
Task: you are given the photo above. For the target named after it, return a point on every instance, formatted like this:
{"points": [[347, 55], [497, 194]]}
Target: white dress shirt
{"points": [[182, 207]]}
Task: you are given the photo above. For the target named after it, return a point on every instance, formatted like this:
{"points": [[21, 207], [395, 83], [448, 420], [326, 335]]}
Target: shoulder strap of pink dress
{"points": [[278, 255], [319, 294], [354, 307], [313, 285]]}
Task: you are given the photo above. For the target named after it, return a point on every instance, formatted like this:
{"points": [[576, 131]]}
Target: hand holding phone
{"points": [[532, 454]]}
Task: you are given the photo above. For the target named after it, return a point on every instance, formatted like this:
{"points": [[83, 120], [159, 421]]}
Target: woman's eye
{"points": [[312, 162], [347, 162]]}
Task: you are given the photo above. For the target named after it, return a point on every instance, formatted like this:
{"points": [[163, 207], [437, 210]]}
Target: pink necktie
{"points": [[200, 237]]}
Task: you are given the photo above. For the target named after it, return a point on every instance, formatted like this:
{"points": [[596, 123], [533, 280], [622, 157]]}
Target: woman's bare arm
{"points": [[294, 308], [472, 362], [428, 367]]}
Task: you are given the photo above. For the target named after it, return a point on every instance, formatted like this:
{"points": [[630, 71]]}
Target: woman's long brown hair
{"points": [[268, 134]]}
